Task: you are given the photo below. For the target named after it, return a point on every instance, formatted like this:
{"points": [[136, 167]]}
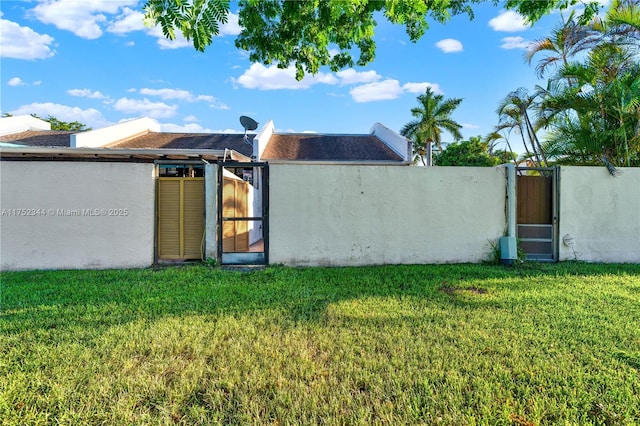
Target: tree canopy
{"points": [[307, 33], [474, 153], [431, 116], [69, 126], [590, 107]]}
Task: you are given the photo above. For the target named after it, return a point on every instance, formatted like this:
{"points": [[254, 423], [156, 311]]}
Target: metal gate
{"points": [[243, 197], [537, 213]]}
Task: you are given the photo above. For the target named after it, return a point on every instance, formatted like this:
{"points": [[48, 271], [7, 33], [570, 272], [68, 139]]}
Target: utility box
{"points": [[508, 250]]}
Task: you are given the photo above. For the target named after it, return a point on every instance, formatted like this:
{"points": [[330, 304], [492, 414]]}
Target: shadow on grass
{"points": [[61, 299]]}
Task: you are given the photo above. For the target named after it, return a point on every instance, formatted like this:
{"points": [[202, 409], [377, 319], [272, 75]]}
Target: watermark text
{"points": [[58, 212]]}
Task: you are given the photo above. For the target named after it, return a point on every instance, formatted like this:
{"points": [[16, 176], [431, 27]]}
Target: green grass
{"points": [[447, 344]]}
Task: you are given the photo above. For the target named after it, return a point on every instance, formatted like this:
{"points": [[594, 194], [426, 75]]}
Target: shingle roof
{"points": [[293, 147], [314, 147], [213, 141], [44, 138]]}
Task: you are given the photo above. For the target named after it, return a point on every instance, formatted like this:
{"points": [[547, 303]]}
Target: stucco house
{"points": [[130, 195], [208, 192]]}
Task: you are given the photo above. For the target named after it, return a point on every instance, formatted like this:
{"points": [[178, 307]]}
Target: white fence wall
{"points": [[359, 215], [601, 213], [76, 215], [102, 215]]}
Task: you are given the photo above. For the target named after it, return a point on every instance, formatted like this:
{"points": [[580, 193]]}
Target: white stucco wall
{"points": [[76, 215], [359, 215], [601, 213]]}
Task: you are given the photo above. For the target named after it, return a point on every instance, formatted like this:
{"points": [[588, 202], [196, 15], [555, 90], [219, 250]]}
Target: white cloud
{"points": [[167, 94], [145, 108], [351, 76], [470, 126], [127, 21], [515, 43], [291, 130], [420, 88], [378, 91], [219, 105], [183, 95], [449, 45], [508, 21], [185, 128], [91, 117], [194, 128], [232, 27], [83, 18], [273, 78], [191, 119], [15, 81], [22, 42], [164, 43], [86, 93]]}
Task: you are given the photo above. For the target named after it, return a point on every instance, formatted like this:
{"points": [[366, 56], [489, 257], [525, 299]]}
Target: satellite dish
{"points": [[249, 124]]}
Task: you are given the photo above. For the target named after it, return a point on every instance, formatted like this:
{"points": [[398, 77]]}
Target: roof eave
{"points": [[118, 152], [341, 163]]}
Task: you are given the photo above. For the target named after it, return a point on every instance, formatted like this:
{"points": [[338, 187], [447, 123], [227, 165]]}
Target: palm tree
{"points": [[513, 113], [624, 17], [431, 117], [565, 41], [492, 140], [598, 120]]}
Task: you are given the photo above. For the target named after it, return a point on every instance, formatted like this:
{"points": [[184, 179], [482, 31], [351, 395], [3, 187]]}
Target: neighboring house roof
{"points": [[382, 145], [33, 138], [317, 147], [208, 141]]}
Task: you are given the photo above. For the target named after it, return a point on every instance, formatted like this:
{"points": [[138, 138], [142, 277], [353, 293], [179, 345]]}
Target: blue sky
{"points": [[95, 62]]}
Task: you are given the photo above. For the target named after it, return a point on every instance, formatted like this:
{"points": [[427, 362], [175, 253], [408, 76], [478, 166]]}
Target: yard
{"points": [[446, 344]]}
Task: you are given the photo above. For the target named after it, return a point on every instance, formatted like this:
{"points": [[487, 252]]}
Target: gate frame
{"points": [[555, 209], [244, 258]]}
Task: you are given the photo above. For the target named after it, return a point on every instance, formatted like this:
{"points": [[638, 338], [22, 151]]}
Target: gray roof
{"points": [[286, 147], [317, 147], [209, 141], [33, 138]]}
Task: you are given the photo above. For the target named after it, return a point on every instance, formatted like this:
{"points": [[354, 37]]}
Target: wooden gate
{"points": [[235, 204], [181, 213], [536, 215]]}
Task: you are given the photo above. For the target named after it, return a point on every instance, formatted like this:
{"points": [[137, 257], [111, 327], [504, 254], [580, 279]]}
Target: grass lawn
{"points": [[445, 344]]}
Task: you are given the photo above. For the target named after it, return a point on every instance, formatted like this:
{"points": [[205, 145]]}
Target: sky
{"points": [[95, 62]]}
